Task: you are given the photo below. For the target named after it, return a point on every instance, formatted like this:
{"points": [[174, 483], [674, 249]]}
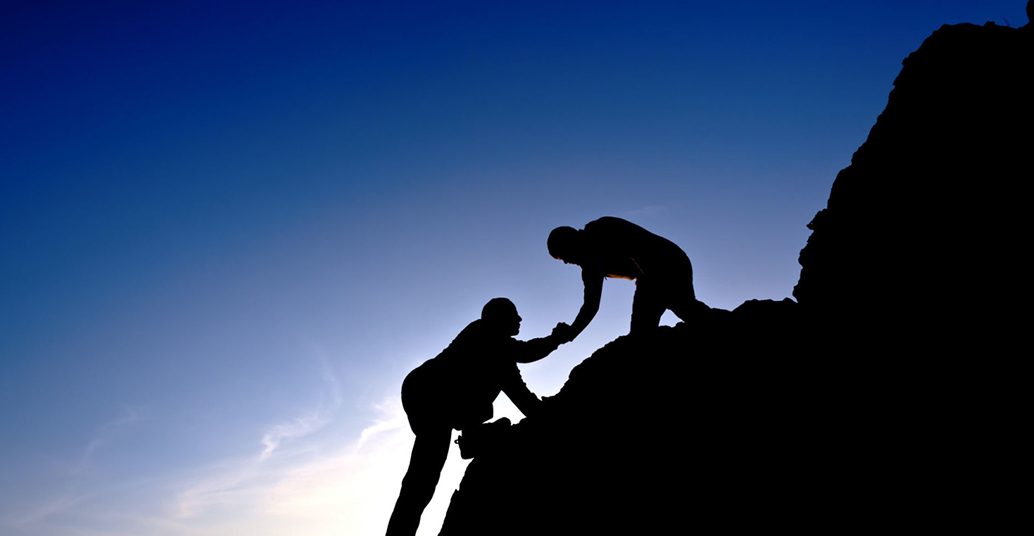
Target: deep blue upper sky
{"points": [[228, 230]]}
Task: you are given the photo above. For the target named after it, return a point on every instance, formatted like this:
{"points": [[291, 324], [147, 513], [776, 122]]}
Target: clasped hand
{"points": [[563, 332]]}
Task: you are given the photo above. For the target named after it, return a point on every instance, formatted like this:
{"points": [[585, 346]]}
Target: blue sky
{"points": [[228, 230]]}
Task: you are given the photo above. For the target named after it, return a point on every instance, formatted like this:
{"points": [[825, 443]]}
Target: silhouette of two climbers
{"points": [[613, 247], [455, 390]]}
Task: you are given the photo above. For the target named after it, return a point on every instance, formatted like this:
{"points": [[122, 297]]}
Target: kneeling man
{"points": [[615, 248]]}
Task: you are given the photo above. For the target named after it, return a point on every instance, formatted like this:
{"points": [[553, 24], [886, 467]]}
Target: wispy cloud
{"points": [[43, 510], [350, 489], [77, 475], [333, 386], [105, 435], [298, 427], [353, 490], [340, 481], [227, 482], [316, 474], [310, 421], [393, 418]]}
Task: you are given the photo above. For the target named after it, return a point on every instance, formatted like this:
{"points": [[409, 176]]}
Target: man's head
{"points": [[565, 244], [501, 314]]}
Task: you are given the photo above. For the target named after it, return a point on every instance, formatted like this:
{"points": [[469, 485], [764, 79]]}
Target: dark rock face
{"points": [[927, 226], [889, 395], [657, 430]]}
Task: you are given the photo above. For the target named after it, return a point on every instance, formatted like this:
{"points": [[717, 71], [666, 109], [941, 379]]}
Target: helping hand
{"points": [[563, 332]]}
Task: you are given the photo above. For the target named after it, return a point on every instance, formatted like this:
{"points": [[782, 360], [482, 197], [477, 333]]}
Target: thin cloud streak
{"points": [[105, 435], [322, 485], [310, 422], [42, 511], [330, 378], [395, 419], [299, 427], [348, 491]]}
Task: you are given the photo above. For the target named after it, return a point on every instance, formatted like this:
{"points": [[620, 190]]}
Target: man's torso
{"points": [[625, 250]]}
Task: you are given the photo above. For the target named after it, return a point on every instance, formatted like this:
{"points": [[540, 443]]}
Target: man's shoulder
{"points": [[470, 336], [609, 232], [475, 327], [478, 336]]}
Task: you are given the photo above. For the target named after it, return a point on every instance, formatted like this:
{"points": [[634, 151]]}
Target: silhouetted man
{"points": [[613, 247], [456, 390]]}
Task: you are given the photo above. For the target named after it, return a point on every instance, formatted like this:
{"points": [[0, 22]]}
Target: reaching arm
{"points": [[532, 350], [592, 278]]}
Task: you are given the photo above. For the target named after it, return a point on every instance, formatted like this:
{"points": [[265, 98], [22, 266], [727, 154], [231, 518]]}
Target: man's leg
{"points": [[425, 467], [684, 303], [647, 307]]}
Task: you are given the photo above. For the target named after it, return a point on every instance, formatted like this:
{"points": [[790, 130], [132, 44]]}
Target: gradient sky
{"points": [[228, 230]]}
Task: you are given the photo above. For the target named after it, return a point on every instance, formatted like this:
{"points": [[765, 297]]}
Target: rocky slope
{"points": [[889, 395]]}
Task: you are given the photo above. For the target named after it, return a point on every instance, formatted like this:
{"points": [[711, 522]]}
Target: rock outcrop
{"points": [[889, 395], [928, 224]]}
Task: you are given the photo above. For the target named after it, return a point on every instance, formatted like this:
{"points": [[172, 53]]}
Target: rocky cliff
{"points": [[889, 395], [927, 225]]}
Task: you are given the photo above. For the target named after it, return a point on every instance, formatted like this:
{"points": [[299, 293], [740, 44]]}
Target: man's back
{"points": [[626, 250], [461, 383]]}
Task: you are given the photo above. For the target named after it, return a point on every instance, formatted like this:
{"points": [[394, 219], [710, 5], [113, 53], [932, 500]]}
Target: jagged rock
{"points": [[891, 397], [929, 216], [688, 426]]}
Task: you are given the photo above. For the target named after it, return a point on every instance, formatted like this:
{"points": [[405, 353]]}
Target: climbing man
{"points": [[455, 390], [613, 247]]}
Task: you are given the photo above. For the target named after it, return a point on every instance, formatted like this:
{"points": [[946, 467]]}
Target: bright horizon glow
{"points": [[228, 232]]}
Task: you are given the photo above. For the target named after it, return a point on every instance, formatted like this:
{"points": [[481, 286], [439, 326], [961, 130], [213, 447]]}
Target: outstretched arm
{"points": [[592, 278], [532, 350]]}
